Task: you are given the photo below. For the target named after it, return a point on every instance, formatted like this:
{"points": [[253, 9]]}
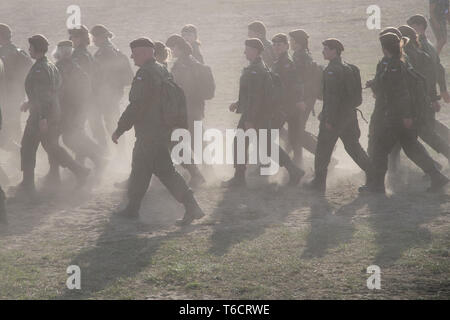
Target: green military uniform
{"points": [[85, 60], [41, 86], [17, 63], [108, 84], [393, 105], [253, 106], [344, 121], [151, 150], [73, 96], [439, 70]]}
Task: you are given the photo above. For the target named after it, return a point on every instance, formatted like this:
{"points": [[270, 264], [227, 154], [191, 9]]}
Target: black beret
{"points": [[78, 31], [39, 42], [299, 35], [391, 30], [257, 26], [175, 40], [5, 30], [65, 43], [418, 19], [100, 30], [408, 32], [389, 39], [142, 42], [334, 44], [255, 43], [280, 37]]}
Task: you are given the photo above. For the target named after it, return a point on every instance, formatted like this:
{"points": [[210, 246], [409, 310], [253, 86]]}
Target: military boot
{"points": [[295, 174], [131, 212], [317, 185], [193, 211], [238, 179]]}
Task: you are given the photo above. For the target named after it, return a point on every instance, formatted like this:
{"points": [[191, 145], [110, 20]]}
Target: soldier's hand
{"points": [[115, 137], [43, 125], [25, 106], [436, 106], [407, 123], [302, 106], [233, 107], [445, 96]]}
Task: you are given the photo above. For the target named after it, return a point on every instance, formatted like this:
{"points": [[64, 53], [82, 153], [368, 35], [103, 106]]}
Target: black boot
{"points": [[316, 185], [238, 180], [295, 175], [193, 211], [130, 212]]}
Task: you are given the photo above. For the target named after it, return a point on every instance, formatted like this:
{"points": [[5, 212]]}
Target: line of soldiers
{"points": [[60, 103]]}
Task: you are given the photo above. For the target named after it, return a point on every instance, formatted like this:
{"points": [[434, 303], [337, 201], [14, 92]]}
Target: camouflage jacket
{"points": [[41, 86]]}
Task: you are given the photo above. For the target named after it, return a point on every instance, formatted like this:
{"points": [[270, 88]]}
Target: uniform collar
{"points": [[337, 60], [255, 62]]}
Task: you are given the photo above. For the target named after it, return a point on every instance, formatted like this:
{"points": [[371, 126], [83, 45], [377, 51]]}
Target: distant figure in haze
{"points": [[439, 16], [42, 85], [190, 34], [151, 152], [257, 29]]}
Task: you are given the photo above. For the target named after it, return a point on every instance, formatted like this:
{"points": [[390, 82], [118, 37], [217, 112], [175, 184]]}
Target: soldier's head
{"points": [[332, 48], [100, 35], [5, 34], [419, 23], [411, 34], [392, 45], [391, 30], [142, 50], [257, 29], [79, 36], [178, 46], [161, 52], [299, 39], [253, 49], [38, 46], [190, 34], [280, 44], [63, 50]]}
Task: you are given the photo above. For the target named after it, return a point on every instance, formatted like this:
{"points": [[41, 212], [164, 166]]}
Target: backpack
{"points": [[353, 87], [173, 104], [418, 90], [123, 70], [205, 83]]}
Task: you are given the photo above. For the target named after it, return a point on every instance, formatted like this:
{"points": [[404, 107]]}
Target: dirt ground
{"points": [[267, 242]]}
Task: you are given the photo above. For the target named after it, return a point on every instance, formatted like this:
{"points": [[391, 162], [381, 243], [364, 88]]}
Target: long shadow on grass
{"points": [[399, 222], [244, 214]]}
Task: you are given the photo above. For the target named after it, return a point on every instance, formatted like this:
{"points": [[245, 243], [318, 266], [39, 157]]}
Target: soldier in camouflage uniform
{"points": [[338, 119], [17, 63], [151, 151], [395, 122], [73, 95], [257, 29], [42, 85], [255, 111], [190, 34]]}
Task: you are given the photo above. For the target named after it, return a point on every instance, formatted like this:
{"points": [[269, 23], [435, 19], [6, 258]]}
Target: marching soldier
{"points": [[42, 85], [338, 119], [190, 34], [151, 151], [396, 124], [255, 113]]}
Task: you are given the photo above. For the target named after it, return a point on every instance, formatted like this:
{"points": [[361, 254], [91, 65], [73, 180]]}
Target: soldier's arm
{"points": [[440, 75], [138, 100], [398, 91], [431, 77]]}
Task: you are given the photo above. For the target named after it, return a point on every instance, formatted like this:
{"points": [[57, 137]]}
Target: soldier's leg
{"points": [[429, 135], [442, 130], [50, 142], [141, 174], [394, 158], [165, 171], [295, 136], [419, 155], [29, 145], [325, 145], [95, 121], [239, 173], [382, 142], [350, 137]]}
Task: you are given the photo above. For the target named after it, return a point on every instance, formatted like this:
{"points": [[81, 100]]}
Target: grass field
{"points": [[267, 242]]}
